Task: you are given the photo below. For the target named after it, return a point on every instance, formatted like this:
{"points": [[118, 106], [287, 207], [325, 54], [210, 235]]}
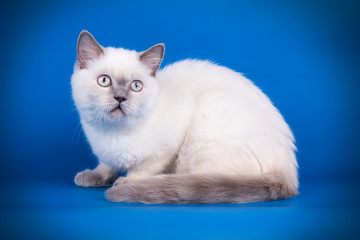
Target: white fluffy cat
{"points": [[193, 132]]}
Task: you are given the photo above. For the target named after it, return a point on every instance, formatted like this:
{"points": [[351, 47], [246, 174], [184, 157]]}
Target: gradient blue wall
{"points": [[304, 55]]}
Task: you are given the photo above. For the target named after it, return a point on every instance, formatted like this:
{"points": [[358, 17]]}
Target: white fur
{"points": [[199, 116]]}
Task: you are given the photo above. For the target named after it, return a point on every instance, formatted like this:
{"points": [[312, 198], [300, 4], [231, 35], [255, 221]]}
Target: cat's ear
{"points": [[87, 48], [153, 57]]}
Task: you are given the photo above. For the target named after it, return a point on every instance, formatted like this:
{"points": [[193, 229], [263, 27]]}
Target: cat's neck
{"points": [[123, 126]]}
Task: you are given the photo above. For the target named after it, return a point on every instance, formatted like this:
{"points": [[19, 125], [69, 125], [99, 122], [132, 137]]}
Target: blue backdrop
{"points": [[305, 55]]}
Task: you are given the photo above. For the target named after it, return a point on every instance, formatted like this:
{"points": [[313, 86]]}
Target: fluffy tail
{"points": [[190, 188]]}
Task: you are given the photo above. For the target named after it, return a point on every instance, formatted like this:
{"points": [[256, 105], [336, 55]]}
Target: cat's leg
{"points": [[103, 175], [146, 169]]}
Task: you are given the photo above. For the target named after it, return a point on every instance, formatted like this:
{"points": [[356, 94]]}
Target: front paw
{"points": [[123, 180], [90, 178]]}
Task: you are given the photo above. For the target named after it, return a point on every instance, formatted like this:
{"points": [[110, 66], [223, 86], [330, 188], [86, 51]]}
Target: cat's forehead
{"points": [[120, 63]]}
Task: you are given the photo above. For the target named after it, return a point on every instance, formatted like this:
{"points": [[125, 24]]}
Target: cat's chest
{"points": [[117, 149]]}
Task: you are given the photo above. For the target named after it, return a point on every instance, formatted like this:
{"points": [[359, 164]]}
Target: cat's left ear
{"points": [[153, 57]]}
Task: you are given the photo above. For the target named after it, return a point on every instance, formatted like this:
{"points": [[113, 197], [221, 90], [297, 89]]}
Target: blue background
{"points": [[304, 55]]}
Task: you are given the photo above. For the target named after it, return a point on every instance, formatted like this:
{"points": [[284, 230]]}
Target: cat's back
{"points": [[196, 78], [199, 75], [218, 93]]}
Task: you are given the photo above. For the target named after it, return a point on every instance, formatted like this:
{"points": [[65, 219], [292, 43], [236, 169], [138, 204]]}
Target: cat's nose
{"points": [[120, 99]]}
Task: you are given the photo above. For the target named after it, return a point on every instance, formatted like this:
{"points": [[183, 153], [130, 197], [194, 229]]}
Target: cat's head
{"points": [[114, 86]]}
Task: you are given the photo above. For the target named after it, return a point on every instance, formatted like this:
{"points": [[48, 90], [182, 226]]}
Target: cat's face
{"points": [[114, 86]]}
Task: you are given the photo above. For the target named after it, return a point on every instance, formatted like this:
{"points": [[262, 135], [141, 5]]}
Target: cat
{"points": [[193, 132]]}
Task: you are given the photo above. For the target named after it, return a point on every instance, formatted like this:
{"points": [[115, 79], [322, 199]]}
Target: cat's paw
{"points": [[121, 180], [90, 178]]}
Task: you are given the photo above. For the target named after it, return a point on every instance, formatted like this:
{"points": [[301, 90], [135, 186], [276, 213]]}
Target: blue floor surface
{"points": [[303, 54], [323, 210]]}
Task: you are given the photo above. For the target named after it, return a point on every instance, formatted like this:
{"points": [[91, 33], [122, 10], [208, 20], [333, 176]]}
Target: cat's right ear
{"points": [[87, 49]]}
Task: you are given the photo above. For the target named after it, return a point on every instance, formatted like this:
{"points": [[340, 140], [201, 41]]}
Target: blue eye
{"points": [[136, 85], [104, 81]]}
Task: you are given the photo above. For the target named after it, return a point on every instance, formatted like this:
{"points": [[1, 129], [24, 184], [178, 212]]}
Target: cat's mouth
{"points": [[117, 110]]}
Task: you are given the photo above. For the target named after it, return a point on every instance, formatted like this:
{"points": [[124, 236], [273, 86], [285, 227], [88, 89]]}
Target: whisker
{"points": [[80, 107], [138, 112], [72, 139], [78, 137]]}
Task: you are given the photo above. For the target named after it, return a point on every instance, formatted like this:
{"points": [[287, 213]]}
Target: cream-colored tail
{"points": [[191, 188]]}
